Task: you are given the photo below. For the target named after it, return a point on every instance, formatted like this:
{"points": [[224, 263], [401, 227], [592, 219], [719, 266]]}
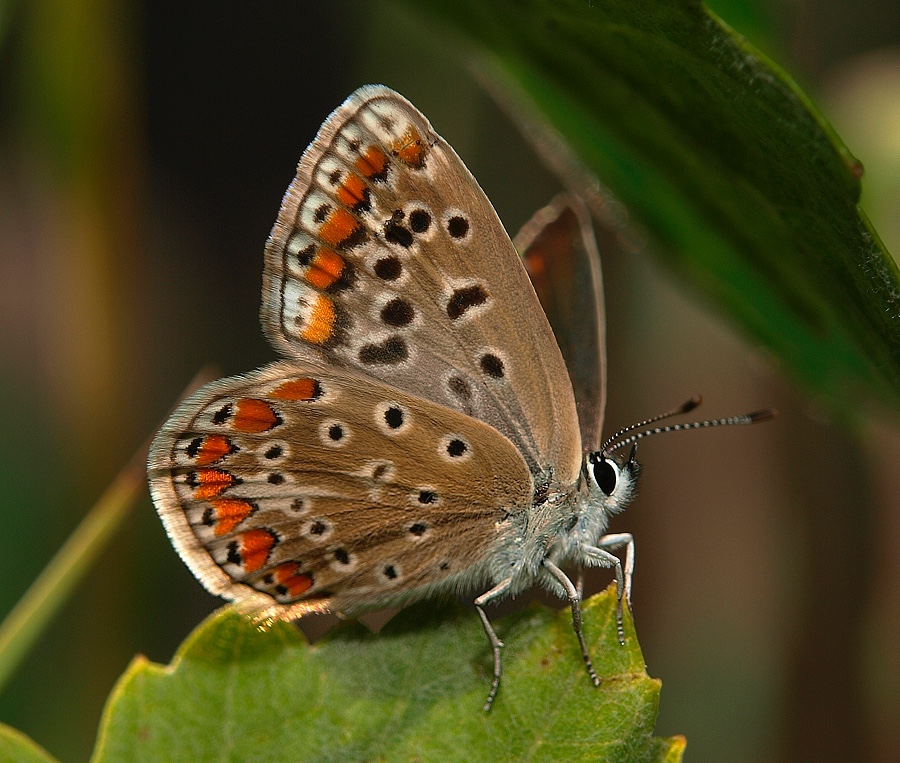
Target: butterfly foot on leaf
{"points": [[574, 598], [620, 624], [496, 646], [489, 702]]}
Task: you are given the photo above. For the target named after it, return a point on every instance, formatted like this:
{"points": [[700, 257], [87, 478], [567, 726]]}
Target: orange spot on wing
{"points": [[255, 548], [298, 584], [213, 447], [408, 148], [325, 269], [208, 483], [352, 191], [373, 163], [339, 227], [230, 512], [295, 582], [320, 324], [254, 416], [298, 389], [283, 571]]}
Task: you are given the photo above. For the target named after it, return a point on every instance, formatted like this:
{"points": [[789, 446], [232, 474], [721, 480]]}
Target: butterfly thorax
{"points": [[561, 524], [582, 517]]}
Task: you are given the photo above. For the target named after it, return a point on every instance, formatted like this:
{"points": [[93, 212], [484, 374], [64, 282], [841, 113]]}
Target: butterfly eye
{"points": [[606, 475]]}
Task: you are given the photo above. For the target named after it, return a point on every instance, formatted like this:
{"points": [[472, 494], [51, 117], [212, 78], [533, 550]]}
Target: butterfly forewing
{"points": [[295, 485], [560, 253], [388, 258]]}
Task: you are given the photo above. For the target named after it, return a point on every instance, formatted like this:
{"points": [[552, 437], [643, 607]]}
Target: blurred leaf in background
{"points": [[726, 164]]}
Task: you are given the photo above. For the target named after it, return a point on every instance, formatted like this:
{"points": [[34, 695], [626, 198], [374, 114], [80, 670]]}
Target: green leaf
{"points": [[725, 162], [413, 692], [15, 747]]}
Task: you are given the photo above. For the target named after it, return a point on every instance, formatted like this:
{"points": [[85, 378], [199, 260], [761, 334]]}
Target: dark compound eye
{"points": [[606, 474]]}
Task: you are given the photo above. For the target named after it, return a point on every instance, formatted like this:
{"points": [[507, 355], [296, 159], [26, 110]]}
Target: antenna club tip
{"points": [[764, 415], [691, 404]]}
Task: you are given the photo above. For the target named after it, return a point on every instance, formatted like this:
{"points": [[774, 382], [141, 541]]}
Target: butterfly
{"points": [[421, 434]]}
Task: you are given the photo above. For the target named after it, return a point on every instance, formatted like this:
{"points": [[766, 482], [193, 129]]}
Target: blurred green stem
{"points": [[41, 601]]}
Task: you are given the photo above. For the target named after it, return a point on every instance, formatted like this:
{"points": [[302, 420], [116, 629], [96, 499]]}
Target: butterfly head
{"points": [[610, 481]]}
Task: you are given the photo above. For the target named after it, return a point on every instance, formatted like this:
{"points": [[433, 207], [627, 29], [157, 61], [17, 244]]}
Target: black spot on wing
{"points": [[457, 227], [389, 352], [397, 234], [388, 268], [398, 312], [492, 366], [464, 299]]}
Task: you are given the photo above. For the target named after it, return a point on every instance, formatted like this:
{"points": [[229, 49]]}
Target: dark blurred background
{"points": [[144, 149]]}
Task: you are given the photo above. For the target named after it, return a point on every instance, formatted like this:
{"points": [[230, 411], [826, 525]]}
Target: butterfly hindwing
{"points": [[388, 258], [318, 488]]}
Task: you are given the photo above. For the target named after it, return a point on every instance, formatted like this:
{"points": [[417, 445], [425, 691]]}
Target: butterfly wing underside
{"points": [[388, 258], [560, 253], [296, 488]]}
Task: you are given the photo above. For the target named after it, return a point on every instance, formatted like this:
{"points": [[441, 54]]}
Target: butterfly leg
{"points": [[496, 644], [574, 597], [601, 554]]}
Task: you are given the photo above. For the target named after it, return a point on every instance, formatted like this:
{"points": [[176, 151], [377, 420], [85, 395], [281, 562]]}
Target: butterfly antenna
{"points": [[683, 408], [747, 418]]}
